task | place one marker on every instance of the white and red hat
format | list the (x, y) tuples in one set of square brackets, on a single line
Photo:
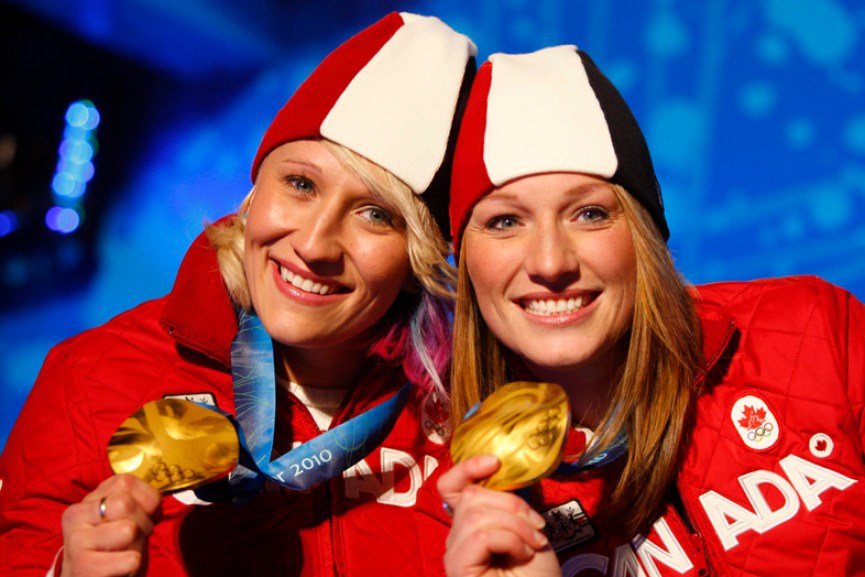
[(548, 111), (390, 93)]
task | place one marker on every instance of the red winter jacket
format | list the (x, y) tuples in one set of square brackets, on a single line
[(358, 525), (773, 482)]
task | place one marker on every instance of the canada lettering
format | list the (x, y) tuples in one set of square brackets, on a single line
[(802, 484), (360, 478)]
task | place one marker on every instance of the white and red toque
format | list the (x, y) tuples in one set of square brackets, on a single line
[(391, 93), (548, 111)]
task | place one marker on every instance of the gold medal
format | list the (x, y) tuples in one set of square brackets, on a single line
[(524, 424), (174, 444)]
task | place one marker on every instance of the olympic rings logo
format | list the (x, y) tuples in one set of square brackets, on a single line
[(764, 431), (438, 428), (546, 430), (162, 472)]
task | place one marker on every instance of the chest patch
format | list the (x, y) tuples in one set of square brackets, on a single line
[(435, 418), (567, 526), (821, 445), (755, 422)]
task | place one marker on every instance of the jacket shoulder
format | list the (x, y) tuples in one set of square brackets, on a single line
[(806, 304), (733, 292), (199, 312)]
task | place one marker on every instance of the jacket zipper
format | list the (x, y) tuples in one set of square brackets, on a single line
[(699, 558)]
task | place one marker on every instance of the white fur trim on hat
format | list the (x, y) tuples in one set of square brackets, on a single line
[(407, 93), (554, 116)]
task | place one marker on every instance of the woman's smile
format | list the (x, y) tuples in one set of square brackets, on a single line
[(307, 283), (552, 264), (560, 307), (324, 257)]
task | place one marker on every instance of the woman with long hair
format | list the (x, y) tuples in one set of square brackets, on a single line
[(714, 430)]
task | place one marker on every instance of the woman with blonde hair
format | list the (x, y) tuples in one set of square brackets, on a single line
[(317, 316), (714, 430)]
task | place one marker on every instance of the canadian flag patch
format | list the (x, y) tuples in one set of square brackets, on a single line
[(821, 445), (755, 422)]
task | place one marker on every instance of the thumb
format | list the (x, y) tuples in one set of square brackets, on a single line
[(468, 472)]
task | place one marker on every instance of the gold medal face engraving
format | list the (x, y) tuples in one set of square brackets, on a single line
[(524, 424), (174, 444)]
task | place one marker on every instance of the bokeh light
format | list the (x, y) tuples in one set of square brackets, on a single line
[(62, 220), (74, 167)]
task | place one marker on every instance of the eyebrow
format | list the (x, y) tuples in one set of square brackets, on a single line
[(306, 164), (589, 188), (580, 189)]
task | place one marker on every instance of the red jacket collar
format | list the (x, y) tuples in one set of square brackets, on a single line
[(718, 329), (199, 313)]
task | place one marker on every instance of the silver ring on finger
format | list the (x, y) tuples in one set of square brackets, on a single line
[(103, 510)]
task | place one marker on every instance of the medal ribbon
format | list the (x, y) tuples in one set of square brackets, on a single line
[(617, 448), (318, 459)]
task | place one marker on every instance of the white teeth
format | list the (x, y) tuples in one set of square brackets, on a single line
[(303, 284), (554, 307)]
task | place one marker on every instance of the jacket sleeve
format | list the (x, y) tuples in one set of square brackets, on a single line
[(840, 321), (854, 344), (51, 460), (837, 318)]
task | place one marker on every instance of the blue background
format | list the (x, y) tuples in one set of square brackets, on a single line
[(754, 111)]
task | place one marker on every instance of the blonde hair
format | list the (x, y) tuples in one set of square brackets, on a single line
[(421, 327), (652, 398)]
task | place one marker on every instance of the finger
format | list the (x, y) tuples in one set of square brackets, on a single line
[(483, 509), (113, 517), (474, 551), (124, 497), (106, 533), (102, 564), (475, 497), (115, 548), (124, 508), (465, 473), (112, 536), (111, 510), (84, 514), (146, 496)]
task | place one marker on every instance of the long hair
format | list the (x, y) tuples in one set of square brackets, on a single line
[(652, 398), (416, 332)]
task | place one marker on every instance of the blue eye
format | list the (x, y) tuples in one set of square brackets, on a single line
[(300, 183), (592, 214), (378, 216), (503, 222)]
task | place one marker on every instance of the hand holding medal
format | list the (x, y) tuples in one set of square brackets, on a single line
[(525, 425), (174, 444)]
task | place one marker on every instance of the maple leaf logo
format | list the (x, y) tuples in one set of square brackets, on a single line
[(752, 418), (821, 446)]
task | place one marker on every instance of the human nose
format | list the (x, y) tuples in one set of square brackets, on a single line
[(552, 254), (318, 238)]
